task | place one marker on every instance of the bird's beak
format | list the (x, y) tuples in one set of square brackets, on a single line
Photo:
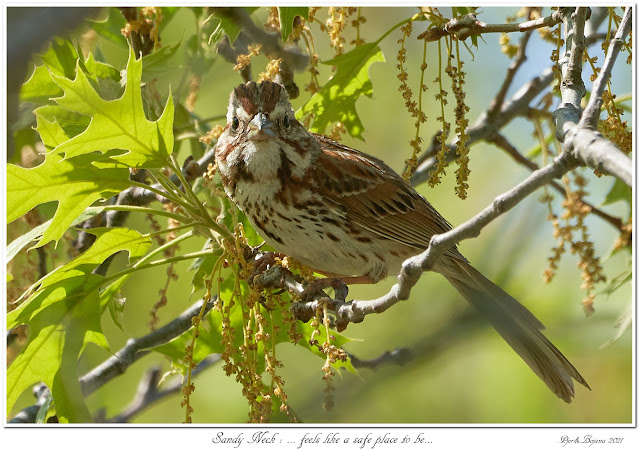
[(260, 128)]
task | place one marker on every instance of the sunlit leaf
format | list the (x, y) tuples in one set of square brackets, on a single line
[(117, 124), (63, 315), (60, 59), (74, 188), (22, 241), (335, 102)]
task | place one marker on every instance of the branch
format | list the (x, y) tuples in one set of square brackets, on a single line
[(498, 101), (271, 42), (500, 141), (469, 25), (577, 133), (591, 113), (488, 123), (572, 86), (136, 348), (116, 365), (148, 393), (428, 346), (28, 415)]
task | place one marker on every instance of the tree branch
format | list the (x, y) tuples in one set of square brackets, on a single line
[(572, 86), (271, 42), (588, 146), (134, 349), (591, 113), (486, 123), (498, 101), (148, 393), (469, 25), (500, 141)]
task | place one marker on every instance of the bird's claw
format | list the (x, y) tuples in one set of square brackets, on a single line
[(314, 287)]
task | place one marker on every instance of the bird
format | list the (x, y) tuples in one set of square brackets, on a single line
[(349, 216)]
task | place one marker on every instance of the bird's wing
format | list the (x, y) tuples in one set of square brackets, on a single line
[(376, 198)]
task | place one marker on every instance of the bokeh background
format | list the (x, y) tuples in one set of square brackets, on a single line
[(461, 371)]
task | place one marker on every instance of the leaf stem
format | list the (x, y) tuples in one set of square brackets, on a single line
[(158, 262), (178, 228), (166, 194), (211, 223), (159, 212)]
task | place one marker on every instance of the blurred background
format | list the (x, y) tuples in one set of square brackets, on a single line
[(461, 370)]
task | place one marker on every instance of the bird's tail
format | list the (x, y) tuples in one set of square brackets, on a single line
[(518, 326)]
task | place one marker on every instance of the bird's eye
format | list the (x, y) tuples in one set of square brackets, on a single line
[(236, 123), (287, 123)]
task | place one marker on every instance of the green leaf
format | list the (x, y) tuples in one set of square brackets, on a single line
[(20, 242), (287, 16), (335, 102), (40, 87), (226, 25), (63, 315), (109, 241), (117, 124), (71, 122), (62, 319), (619, 191), (156, 63), (74, 188), (60, 59), (111, 28), (203, 267), (100, 69)]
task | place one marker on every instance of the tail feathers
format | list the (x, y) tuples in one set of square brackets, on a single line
[(518, 326)]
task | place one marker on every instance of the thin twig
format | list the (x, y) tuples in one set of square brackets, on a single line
[(148, 393), (588, 146), (590, 116), (138, 347), (469, 25), (498, 101), (500, 141)]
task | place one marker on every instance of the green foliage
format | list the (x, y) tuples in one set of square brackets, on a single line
[(335, 102), (111, 28), (119, 123), (35, 233), (74, 188), (619, 191), (63, 314), (287, 15)]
